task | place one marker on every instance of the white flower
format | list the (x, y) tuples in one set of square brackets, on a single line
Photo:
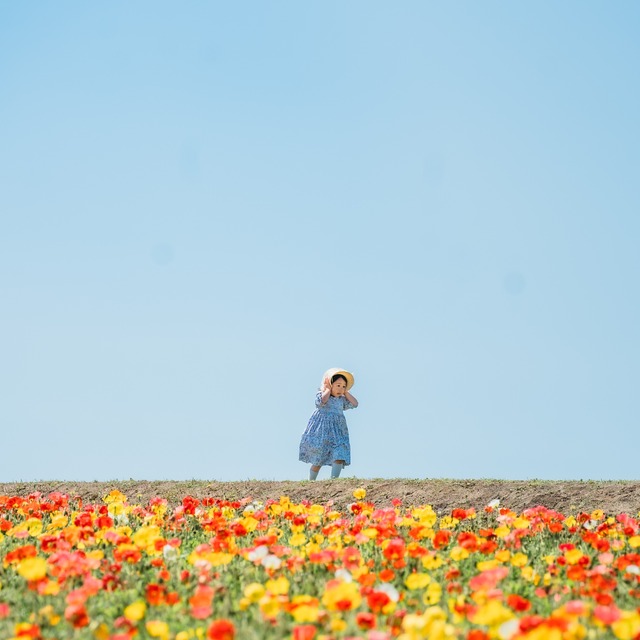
[(390, 590), (121, 519), (494, 503), (508, 629), (170, 553), (634, 569), (271, 562), (252, 508), (258, 554), (344, 575)]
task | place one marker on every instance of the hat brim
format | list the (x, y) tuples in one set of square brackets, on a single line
[(334, 372)]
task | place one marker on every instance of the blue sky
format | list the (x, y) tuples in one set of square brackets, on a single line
[(205, 205)]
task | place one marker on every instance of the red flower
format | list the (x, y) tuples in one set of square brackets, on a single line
[(155, 594), (518, 603), (30, 631), (221, 630), (476, 634), (366, 620), (76, 614), (395, 549), (377, 600)]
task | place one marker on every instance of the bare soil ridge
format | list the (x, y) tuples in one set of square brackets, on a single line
[(568, 497)]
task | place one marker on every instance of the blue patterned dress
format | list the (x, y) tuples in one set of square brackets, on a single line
[(326, 437)]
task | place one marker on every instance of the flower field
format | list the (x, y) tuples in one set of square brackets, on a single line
[(218, 569)]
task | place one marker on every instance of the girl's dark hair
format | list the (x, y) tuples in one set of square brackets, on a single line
[(337, 377)]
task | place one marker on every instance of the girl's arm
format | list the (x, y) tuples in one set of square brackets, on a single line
[(325, 396), (350, 398)]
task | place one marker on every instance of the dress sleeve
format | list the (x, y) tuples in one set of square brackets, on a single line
[(319, 399), (348, 405)]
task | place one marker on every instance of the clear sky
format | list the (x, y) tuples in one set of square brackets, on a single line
[(205, 205)]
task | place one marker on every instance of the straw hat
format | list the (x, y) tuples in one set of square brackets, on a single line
[(333, 372)]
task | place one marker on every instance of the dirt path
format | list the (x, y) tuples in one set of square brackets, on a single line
[(564, 496)]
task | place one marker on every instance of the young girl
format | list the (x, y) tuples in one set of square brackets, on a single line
[(326, 438)]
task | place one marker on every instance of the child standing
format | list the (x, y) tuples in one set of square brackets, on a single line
[(325, 441)]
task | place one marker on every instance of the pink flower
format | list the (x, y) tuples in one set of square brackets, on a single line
[(607, 614)]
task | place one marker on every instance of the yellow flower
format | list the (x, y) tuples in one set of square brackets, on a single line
[(135, 611), (432, 562), (573, 556), (491, 614), (34, 526), (51, 588), (158, 629), (634, 542), (414, 622), (278, 586), (338, 624), (33, 568), (214, 558), (628, 626), (485, 565), (102, 632), (425, 515), (49, 613), (58, 521), (270, 606), (359, 494), (521, 523), (458, 553), (447, 522), (519, 560), (297, 540), (146, 537), (305, 609), (503, 555), (115, 496), (502, 532), (431, 624), (433, 594), (417, 581), (254, 592), (342, 596)]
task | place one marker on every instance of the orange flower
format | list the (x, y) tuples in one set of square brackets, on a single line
[(441, 539), (221, 630), (200, 602), (304, 632), (386, 575)]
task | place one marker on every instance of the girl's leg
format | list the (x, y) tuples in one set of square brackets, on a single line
[(336, 468), (313, 472)]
